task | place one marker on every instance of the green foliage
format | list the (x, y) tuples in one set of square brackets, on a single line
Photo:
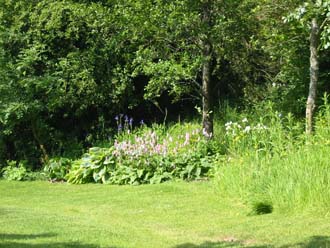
[(68, 67), (147, 169), (148, 155), (284, 38), (259, 208), (307, 10), (267, 132), (94, 166), (13, 172), (57, 168), (278, 166), (60, 64), (285, 60), (322, 126), (174, 56)]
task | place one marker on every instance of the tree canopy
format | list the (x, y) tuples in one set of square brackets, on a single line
[(68, 67)]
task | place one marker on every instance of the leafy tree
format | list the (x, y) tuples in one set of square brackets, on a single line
[(284, 36), (185, 45), (67, 66), (314, 15), (62, 64)]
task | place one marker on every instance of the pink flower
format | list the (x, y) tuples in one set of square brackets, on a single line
[(186, 142)]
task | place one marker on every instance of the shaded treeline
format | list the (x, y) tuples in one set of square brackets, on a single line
[(67, 68)]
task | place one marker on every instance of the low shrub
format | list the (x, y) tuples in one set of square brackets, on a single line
[(148, 155), (17, 171), (12, 172), (93, 166), (57, 168)]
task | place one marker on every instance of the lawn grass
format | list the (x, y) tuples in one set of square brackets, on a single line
[(176, 215)]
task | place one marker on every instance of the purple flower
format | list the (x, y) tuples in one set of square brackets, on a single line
[(131, 121), (142, 122), (116, 118), (126, 118), (120, 127)]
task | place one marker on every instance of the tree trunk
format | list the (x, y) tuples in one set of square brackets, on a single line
[(44, 158), (206, 77), (314, 71)]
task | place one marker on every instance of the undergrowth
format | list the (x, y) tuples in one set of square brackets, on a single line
[(271, 162), (261, 156), (146, 155)]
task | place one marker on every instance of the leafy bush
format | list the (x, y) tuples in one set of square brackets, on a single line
[(13, 172), (57, 168), (146, 156), (35, 176), (18, 172), (94, 166), (99, 165)]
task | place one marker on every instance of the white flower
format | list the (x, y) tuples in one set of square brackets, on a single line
[(247, 129), (206, 134), (228, 123), (245, 120)]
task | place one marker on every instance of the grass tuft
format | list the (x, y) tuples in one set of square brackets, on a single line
[(259, 208)]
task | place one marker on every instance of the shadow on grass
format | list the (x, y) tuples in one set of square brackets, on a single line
[(46, 245), (26, 236), (12, 241), (219, 244), (312, 242)]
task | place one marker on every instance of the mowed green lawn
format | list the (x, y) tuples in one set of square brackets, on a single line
[(176, 215)]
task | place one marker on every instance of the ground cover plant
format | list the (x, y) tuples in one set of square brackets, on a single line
[(145, 155)]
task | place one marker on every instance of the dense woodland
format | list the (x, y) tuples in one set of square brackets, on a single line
[(69, 68)]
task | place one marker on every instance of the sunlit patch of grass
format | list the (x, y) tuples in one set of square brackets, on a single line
[(176, 214)]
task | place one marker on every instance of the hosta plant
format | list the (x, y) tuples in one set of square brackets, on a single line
[(57, 168), (147, 157)]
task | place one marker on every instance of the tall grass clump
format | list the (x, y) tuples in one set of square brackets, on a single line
[(322, 128), (270, 161)]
